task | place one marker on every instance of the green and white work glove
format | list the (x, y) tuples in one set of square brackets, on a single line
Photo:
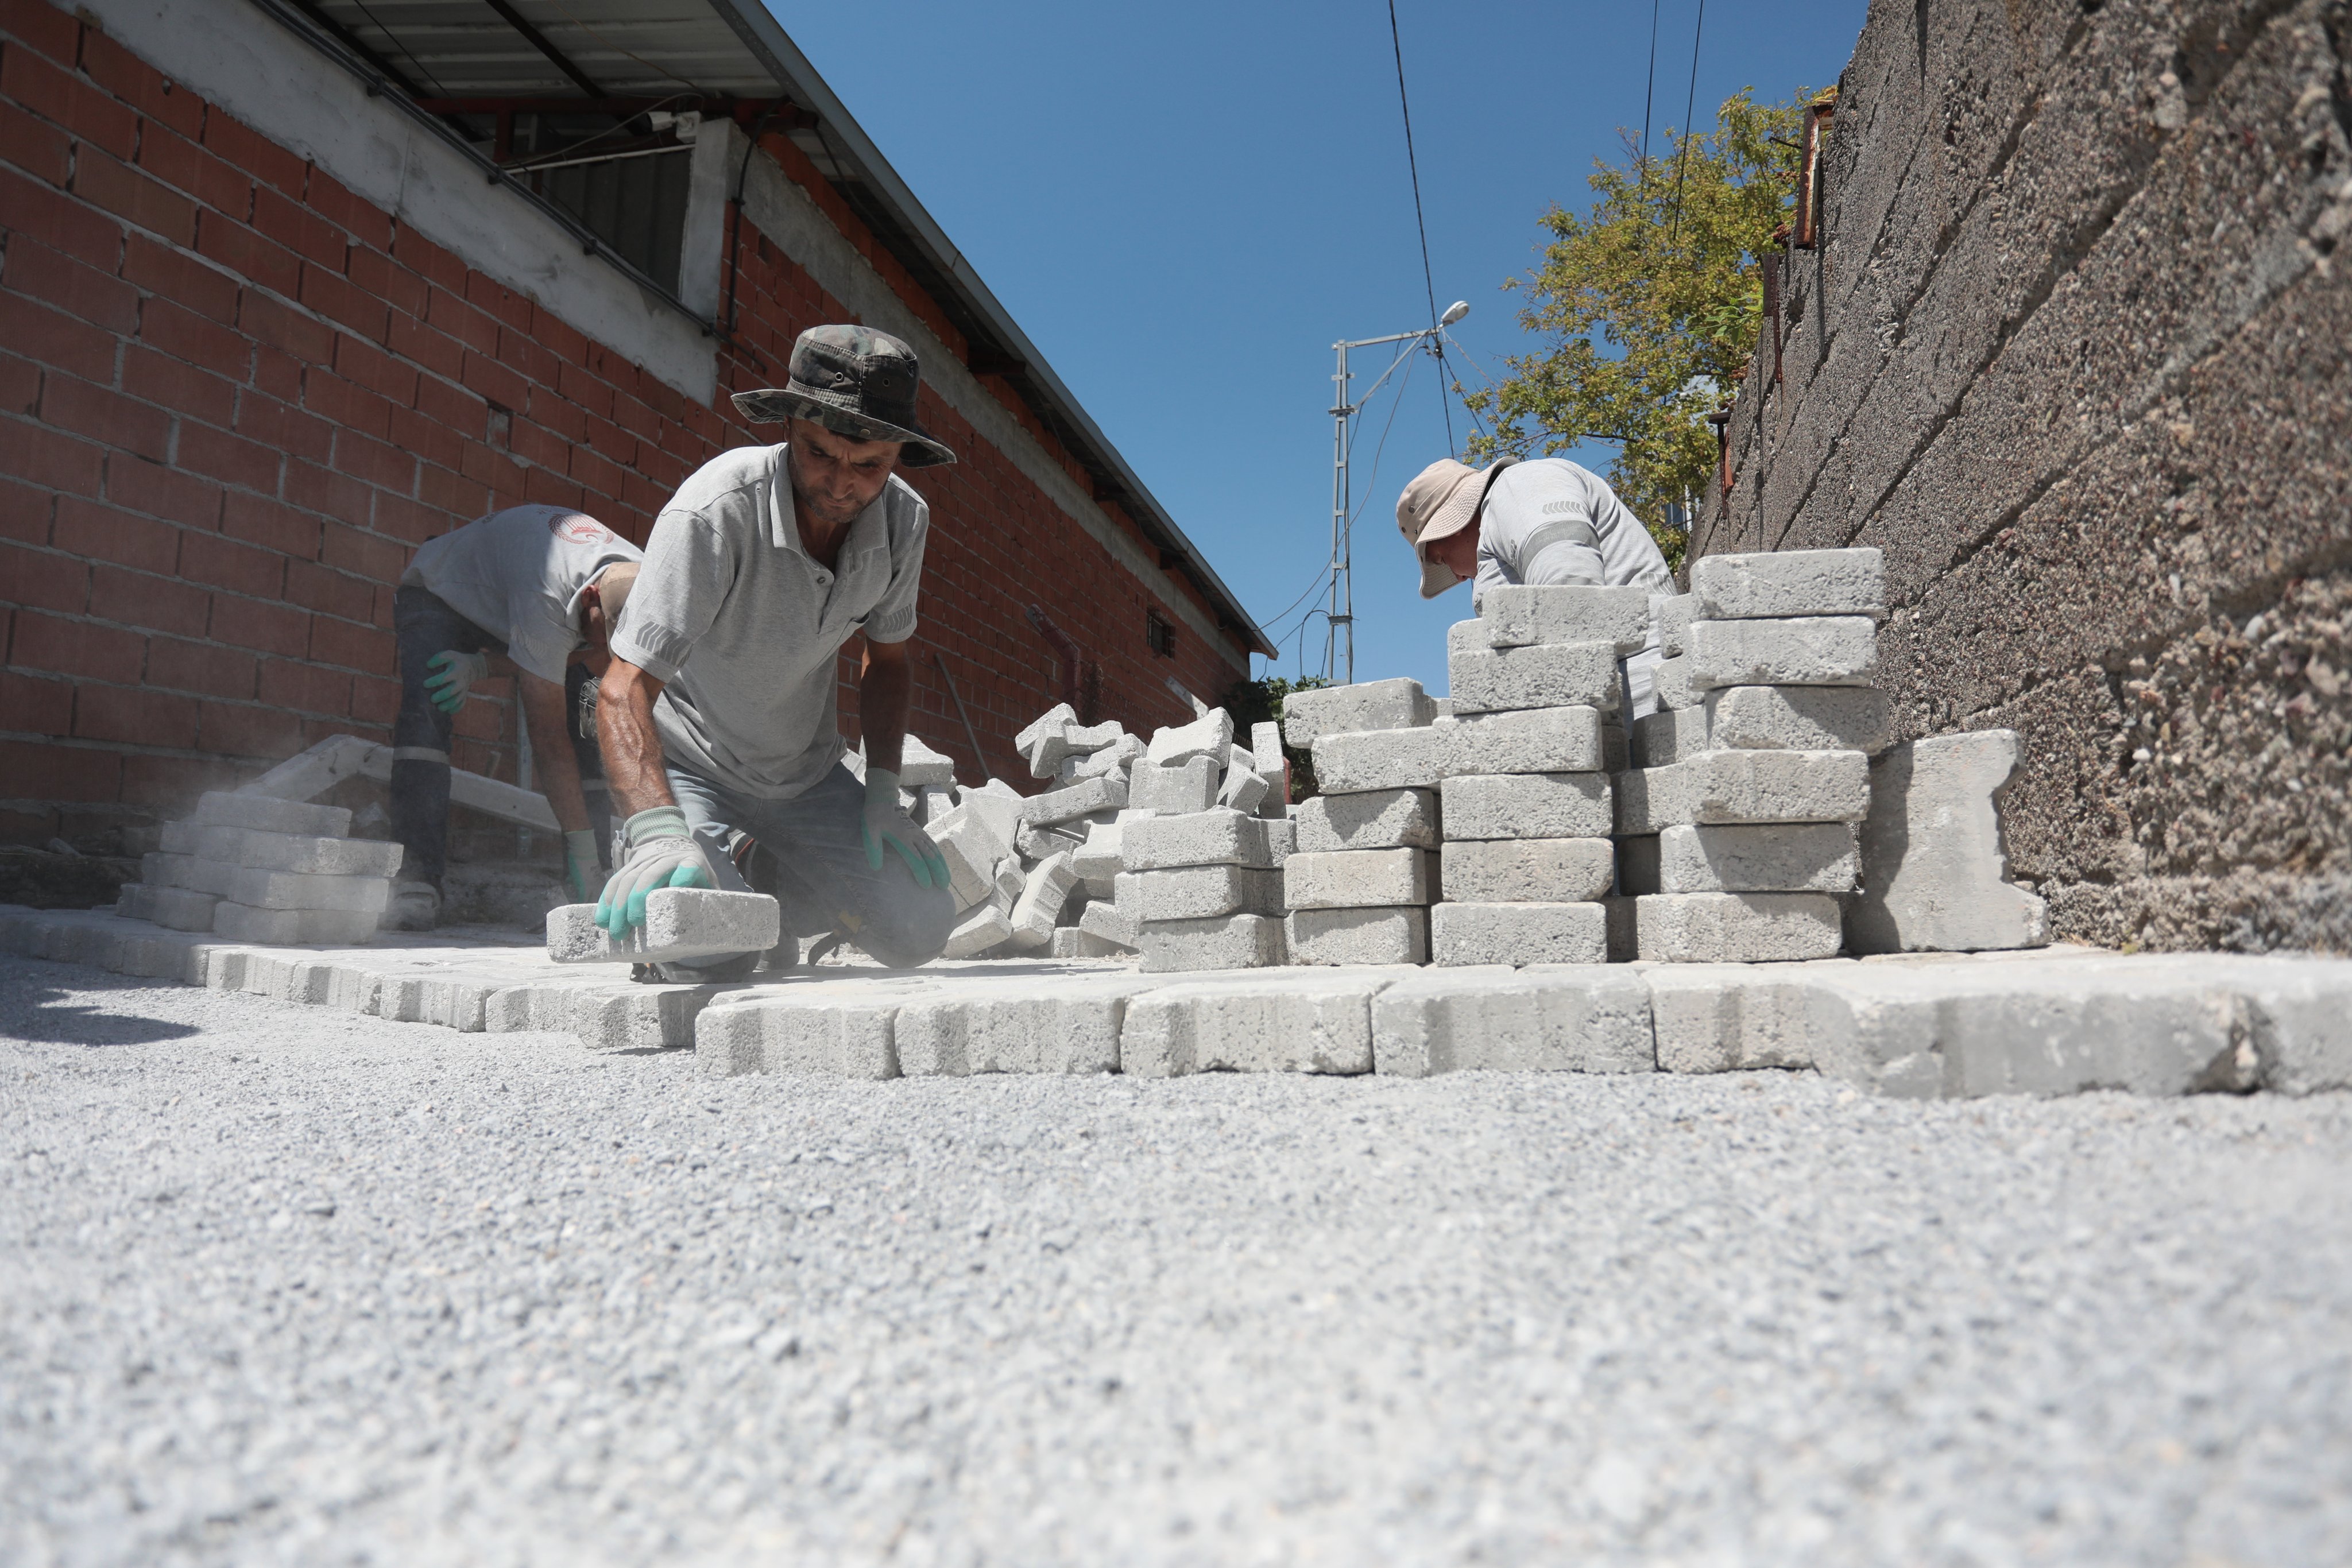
[(886, 822), (660, 851), (458, 672), (581, 869)]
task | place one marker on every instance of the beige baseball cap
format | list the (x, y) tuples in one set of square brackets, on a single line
[(1442, 501)]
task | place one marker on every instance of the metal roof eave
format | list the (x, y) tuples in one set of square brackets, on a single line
[(792, 70)]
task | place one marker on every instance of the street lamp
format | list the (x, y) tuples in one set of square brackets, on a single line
[(1341, 645)]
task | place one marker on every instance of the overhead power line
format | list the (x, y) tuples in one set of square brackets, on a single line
[(1690, 100), (1428, 278), (1649, 92)]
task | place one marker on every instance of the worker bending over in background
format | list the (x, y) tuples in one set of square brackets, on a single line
[(541, 586), (1541, 520), (717, 719)]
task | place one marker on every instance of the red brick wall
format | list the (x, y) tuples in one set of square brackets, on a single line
[(234, 399)]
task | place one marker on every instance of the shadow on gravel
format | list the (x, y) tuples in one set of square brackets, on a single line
[(39, 1013)]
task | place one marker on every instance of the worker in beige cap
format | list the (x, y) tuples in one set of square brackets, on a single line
[(1544, 520)]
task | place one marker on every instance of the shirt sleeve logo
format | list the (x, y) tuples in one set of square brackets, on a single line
[(579, 529)]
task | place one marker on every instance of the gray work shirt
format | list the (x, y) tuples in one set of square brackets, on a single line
[(519, 575), (744, 628), (1547, 520)]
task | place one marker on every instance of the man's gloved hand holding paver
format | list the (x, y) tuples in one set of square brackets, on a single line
[(455, 680), (886, 822), (661, 852)]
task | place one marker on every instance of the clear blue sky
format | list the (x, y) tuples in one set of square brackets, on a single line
[(1184, 206)]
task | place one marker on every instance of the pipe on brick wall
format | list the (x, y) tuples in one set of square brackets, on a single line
[(1818, 117), (1066, 648), (735, 229), (1721, 419)]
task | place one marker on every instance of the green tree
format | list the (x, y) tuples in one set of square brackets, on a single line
[(1260, 702), (1651, 306)]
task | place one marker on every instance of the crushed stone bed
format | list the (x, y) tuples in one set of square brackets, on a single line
[(289, 1284)]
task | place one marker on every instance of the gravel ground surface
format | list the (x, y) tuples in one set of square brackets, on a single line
[(286, 1284)]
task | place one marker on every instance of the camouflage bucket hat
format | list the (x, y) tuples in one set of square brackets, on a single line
[(855, 382)]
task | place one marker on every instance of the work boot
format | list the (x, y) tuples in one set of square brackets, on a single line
[(730, 970), (414, 906), (757, 866)]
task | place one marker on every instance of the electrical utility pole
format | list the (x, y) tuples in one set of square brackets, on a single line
[(1340, 644)]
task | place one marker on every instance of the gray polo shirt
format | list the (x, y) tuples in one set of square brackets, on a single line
[(517, 574), (1549, 521), (744, 628)]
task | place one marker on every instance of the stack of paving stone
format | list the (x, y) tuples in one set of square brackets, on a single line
[(1040, 876), (1738, 818), (1529, 863), (1364, 874), (254, 868), (1199, 885)]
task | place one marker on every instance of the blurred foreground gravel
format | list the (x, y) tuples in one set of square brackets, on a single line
[(282, 1284)]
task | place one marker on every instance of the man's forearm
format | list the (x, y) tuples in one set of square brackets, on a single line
[(551, 747), (625, 736), (884, 689)]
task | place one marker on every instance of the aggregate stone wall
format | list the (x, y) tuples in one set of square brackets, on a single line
[(2072, 352)]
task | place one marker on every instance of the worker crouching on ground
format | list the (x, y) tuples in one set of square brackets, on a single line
[(717, 719), (1544, 520), (537, 586)]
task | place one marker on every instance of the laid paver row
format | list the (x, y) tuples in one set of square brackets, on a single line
[(2059, 1021)]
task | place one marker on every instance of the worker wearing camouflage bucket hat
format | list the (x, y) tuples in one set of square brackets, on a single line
[(717, 719)]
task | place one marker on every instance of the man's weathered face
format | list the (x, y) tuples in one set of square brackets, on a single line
[(835, 478), (1458, 551)]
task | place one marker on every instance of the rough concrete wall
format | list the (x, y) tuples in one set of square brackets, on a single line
[(2074, 354)]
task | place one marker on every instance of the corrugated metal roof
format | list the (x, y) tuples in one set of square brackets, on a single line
[(558, 49), (630, 48)]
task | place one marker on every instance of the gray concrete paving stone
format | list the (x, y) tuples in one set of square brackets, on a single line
[(1812, 650), (1218, 836), (1227, 942), (1737, 927), (1544, 1017), (1776, 584), (1521, 614), (680, 924), (1206, 892), (1373, 819), (1526, 806), (1463, 935), (1399, 703), (1287, 1020), (1550, 675), (1355, 879), (1527, 871), (1357, 936)]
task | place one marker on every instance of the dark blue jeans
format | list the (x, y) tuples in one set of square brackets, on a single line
[(423, 625), (813, 854)]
